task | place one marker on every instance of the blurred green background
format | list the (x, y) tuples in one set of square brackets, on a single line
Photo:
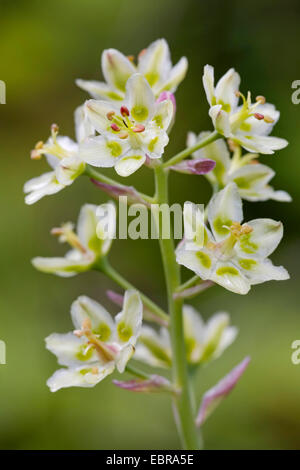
[(44, 46)]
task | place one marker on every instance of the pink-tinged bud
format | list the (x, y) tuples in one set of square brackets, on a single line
[(110, 115), (212, 397), (115, 127), (116, 191), (199, 166), (155, 383), (259, 116), (124, 111), (167, 95), (115, 297), (194, 290), (138, 128), (147, 314)]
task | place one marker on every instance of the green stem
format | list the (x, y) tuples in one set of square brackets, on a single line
[(110, 272), (189, 283), (182, 402), (96, 175), (136, 372), (188, 151)]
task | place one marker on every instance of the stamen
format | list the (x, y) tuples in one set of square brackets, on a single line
[(138, 128), (54, 129), (36, 153), (131, 58), (268, 119), (115, 127), (124, 111), (123, 135), (260, 99), (66, 234), (110, 115), (259, 116), (95, 370)]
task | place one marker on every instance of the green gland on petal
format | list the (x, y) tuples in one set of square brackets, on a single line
[(139, 113), (124, 332), (204, 259), (227, 270)]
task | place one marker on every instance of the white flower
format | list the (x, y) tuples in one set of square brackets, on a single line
[(252, 178), (204, 342), (233, 255), (87, 247), (62, 156), (130, 133), (250, 124), (154, 63), (99, 343)]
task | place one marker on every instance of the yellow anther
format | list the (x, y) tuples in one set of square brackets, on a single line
[(268, 119), (260, 99), (95, 370)]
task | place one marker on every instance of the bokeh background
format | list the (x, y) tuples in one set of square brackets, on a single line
[(44, 46)]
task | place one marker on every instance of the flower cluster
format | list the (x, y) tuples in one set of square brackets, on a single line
[(99, 343), (233, 255), (126, 124)]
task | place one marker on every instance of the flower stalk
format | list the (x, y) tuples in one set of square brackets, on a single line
[(183, 402)]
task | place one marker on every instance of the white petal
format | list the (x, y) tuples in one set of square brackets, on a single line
[(224, 208), (63, 267), (175, 77), (100, 90), (102, 322), (226, 274), (251, 177), (102, 151), (226, 89), (154, 142), (96, 111), (163, 114), (79, 377), (201, 262), (87, 225), (69, 169), (43, 185), (155, 63), (70, 350), (260, 144), (194, 227), (262, 271), (140, 98), (153, 347), (262, 241), (227, 338), (116, 68), (208, 83), (83, 127), (106, 225), (129, 320), (130, 163), (220, 120)]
